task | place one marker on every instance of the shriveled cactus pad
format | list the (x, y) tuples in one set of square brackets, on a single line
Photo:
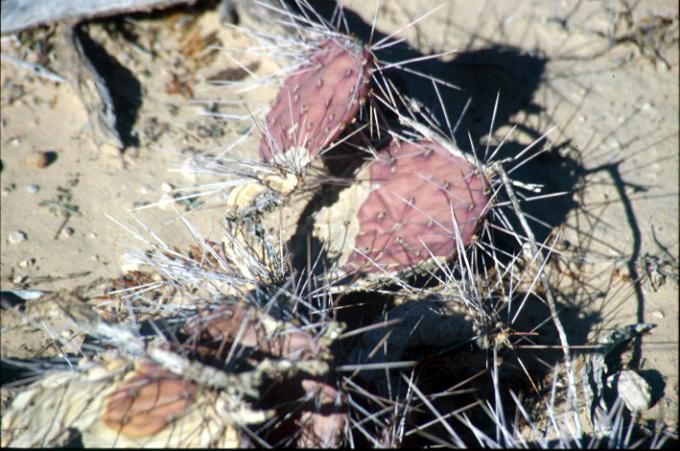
[(164, 399), (413, 204), (318, 101), (114, 405)]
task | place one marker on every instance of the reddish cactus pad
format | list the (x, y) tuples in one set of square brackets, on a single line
[(239, 321), (318, 101), (148, 402), (409, 216)]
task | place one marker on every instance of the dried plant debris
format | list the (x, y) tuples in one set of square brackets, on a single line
[(92, 72), (653, 34), (145, 394), (18, 15), (596, 375), (121, 404)]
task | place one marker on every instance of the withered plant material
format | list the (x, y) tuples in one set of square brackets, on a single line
[(92, 88), (148, 401), (120, 404), (17, 15), (251, 328), (321, 420)]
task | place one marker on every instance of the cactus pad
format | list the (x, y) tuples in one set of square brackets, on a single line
[(409, 207), (115, 406), (147, 402), (318, 101), (253, 329)]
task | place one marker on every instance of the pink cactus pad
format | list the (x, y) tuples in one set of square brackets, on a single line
[(318, 101), (421, 195)]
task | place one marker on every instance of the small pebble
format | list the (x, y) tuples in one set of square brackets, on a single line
[(26, 263), (16, 237), (166, 202), (67, 232), (166, 187), (19, 279), (15, 141), (39, 159), (6, 192), (614, 143), (658, 314), (32, 189)]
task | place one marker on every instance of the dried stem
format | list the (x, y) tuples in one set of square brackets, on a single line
[(546, 286)]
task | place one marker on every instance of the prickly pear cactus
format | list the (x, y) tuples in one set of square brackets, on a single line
[(121, 404), (415, 204), (162, 399), (318, 101)]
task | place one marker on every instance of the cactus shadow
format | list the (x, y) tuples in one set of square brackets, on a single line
[(657, 383), (308, 256), (308, 252)]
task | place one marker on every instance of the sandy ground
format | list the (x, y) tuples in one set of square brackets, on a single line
[(604, 81)]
